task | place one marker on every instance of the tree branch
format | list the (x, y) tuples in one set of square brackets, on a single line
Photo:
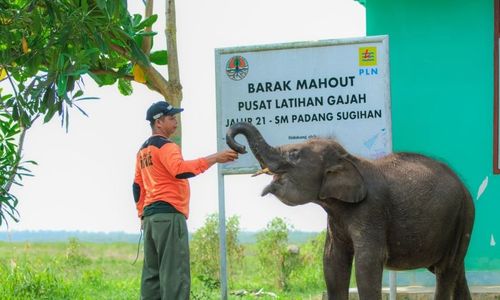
[(11, 83), (155, 79), (147, 41), (126, 77)]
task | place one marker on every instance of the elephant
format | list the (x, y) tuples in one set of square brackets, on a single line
[(400, 212)]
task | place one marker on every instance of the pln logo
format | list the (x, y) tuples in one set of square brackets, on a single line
[(237, 68), (367, 56)]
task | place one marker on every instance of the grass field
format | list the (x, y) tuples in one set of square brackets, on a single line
[(68, 271), (75, 270)]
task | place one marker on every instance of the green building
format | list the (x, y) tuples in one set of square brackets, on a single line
[(444, 82)]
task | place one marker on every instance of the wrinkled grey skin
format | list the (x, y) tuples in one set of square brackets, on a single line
[(403, 211)]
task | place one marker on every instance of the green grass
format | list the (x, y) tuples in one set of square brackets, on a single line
[(307, 281), (76, 270), (68, 271)]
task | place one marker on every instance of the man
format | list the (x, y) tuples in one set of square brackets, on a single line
[(161, 193)]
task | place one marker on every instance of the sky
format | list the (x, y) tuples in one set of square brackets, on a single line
[(83, 178)]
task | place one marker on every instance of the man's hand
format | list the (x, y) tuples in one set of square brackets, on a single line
[(222, 157), (226, 156)]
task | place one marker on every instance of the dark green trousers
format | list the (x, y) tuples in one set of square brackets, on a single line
[(165, 274)]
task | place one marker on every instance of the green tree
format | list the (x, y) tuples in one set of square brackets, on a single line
[(47, 46), (205, 259)]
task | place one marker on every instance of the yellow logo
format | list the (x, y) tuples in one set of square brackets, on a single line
[(367, 56)]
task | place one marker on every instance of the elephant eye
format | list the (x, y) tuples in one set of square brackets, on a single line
[(293, 155)]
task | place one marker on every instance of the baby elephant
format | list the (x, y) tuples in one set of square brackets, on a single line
[(403, 211)]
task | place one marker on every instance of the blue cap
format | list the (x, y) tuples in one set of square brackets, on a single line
[(161, 108)]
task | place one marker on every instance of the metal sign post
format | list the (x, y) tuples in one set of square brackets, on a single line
[(222, 235), (392, 285)]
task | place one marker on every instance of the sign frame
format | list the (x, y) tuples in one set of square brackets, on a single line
[(221, 144)]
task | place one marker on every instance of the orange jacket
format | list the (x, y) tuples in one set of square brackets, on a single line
[(161, 175)]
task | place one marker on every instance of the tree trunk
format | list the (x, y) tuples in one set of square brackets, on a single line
[(174, 83)]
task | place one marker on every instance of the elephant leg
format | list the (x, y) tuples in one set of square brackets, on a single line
[(461, 287), (337, 266), (452, 284), (450, 280), (445, 283), (369, 268)]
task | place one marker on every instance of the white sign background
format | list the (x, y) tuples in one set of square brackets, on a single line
[(361, 122)]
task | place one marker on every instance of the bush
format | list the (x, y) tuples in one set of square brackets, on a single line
[(74, 253), (276, 261), (205, 258)]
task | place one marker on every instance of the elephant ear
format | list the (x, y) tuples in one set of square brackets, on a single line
[(343, 182)]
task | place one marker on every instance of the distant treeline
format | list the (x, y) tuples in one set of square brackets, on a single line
[(64, 236), (244, 237)]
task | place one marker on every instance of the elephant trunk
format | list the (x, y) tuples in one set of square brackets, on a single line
[(268, 157)]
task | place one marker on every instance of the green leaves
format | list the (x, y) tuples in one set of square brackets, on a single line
[(62, 84), (159, 57), (46, 48), (139, 25), (103, 79), (125, 87), (9, 157), (138, 55), (146, 23)]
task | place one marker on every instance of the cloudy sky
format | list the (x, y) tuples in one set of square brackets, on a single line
[(83, 178)]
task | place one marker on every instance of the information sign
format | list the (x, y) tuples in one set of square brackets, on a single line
[(295, 91)]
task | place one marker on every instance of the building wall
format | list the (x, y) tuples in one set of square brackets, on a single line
[(441, 56)]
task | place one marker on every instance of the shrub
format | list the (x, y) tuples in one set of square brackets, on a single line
[(276, 261), (205, 258), (74, 253)]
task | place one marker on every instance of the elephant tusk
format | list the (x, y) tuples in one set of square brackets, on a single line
[(263, 171)]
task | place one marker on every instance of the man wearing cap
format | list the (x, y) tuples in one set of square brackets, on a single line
[(161, 193)]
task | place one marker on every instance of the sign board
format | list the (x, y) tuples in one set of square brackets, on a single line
[(295, 91)]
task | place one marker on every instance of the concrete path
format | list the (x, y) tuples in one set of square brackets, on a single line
[(427, 293)]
